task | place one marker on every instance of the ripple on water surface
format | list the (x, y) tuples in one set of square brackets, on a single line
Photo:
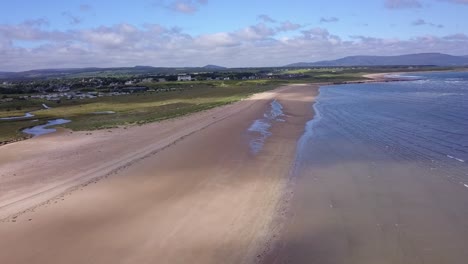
[(421, 122)]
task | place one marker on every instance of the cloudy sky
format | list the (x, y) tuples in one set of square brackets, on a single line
[(111, 33)]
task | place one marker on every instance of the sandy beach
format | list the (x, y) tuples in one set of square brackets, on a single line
[(192, 190), (178, 191)]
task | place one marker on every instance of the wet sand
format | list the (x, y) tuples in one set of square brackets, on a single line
[(188, 190), (356, 211), (361, 203)]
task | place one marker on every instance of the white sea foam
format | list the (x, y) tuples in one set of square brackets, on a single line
[(457, 159)]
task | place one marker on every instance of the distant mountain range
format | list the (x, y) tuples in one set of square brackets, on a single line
[(104, 72), (421, 59), (433, 59), (214, 67)]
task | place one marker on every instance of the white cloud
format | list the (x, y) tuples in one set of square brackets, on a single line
[(266, 19), (182, 6), (217, 40), (288, 26), (36, 22), (328, 19), (422, 22), (255, 32), (153, 44)]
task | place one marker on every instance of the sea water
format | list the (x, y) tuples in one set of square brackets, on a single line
[(381, 175), (423, 121)]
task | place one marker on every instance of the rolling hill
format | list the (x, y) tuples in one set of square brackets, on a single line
[(435, 59), (214, 67)]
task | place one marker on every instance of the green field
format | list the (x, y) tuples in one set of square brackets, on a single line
[(133, 109)]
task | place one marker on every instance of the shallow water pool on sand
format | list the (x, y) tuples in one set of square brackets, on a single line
[(44, 129), (260, 129)]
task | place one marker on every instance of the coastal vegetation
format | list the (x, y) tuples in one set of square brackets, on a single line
[(126, 109)]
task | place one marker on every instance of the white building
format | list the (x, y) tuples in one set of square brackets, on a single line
[(184, 78)]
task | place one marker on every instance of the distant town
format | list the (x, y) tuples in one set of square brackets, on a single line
[(60, 88)]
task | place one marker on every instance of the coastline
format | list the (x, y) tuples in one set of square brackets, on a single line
[(203, 174)]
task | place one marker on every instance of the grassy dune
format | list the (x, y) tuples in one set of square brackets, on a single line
[(138, 108)]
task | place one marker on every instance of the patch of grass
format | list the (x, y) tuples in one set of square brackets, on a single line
[(19, 107), (298, 71), (11, 130)]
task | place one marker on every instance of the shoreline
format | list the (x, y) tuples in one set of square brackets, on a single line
[(283, 209), (228, 194)]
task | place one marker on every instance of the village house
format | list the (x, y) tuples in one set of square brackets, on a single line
[(182, 78)]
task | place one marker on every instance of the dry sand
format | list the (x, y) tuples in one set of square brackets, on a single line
[(181, 191)]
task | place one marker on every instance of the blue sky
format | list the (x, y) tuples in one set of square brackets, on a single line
[(78, 33)]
